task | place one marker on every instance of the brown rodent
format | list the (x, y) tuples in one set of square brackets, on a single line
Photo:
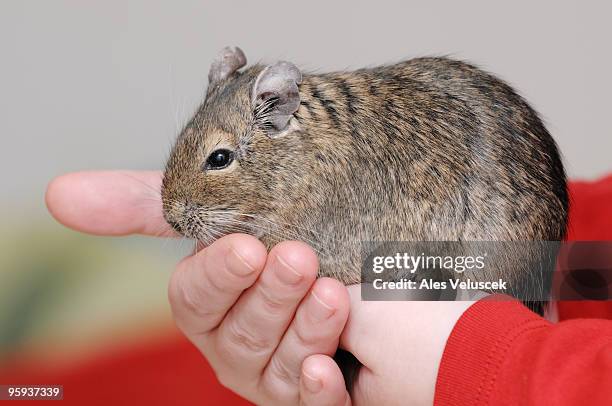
[(429, 149)]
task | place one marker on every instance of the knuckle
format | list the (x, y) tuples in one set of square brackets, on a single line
[(212, 282), (240, 337), (272, 305), (308, 337), (282, 372)]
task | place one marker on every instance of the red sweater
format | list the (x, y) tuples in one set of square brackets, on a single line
[(500, 353)]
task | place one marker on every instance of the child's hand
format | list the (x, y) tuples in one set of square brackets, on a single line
[(261, 319)]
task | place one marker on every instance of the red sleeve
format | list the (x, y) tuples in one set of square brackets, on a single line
[(501, 353), (590, 219)]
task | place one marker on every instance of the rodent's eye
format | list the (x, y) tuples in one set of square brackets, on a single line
[(219, 159)]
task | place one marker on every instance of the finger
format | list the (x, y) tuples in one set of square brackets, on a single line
[(109, 203), (321, 383), (206, 285), (250, 333), (315, 329)]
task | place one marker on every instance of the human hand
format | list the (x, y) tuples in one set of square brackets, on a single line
[(261, 319), (261, 336)]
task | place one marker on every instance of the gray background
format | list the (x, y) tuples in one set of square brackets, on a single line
[(106, 84)]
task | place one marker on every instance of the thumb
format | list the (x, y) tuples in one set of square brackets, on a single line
[(321, 382)]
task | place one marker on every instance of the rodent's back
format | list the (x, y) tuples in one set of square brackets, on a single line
[(428, 149), (439, 131)]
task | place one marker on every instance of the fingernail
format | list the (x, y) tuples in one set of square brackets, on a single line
[(286, 273), (319, 310), (237, 264), (311, 384)]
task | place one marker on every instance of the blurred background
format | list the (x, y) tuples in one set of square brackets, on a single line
[(108, 84)]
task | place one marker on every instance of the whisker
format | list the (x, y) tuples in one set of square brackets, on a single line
[(280, 235), (156, 191)]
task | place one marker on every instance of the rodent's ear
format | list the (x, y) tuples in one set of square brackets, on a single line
[(228, 61), (276, 97)]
